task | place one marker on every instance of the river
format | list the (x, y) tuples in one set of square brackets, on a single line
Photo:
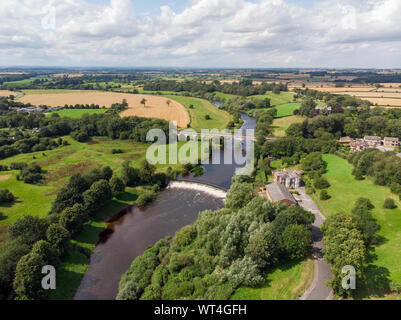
[(130, 235)]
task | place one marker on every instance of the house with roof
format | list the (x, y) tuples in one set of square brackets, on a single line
[(278, 193), (373, 141), (391, 142), (288, 178), (359, 145), (345, 140)]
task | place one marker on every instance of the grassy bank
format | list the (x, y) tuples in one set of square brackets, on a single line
[(74, 266), (218, 118), (345, 191), (286, 282)]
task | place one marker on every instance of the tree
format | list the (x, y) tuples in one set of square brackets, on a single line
[(321, 183), (143, 101), (308, 107), (117, 185), (73, 219), (168, 102), (297, 240), (97, 196), (59, 238), (245, 272), (324, 195), (239, 195), (28, 230), (49, 254), (6, 196), (389, 204), (28, 276), (11, 252)]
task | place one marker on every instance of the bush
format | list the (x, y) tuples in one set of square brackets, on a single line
[(117, 151), (321, 183), (389, 204), (117, 185), (324, 195), (207, 117), (6, 196), (146, 198)]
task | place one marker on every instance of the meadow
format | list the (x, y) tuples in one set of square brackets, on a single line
[(345, 191), (60, 164), (218, 118), (280, 125), (287, 109), (277, 99), (287, 282), (76, 113)]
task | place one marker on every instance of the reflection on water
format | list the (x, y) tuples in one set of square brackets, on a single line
[(130, 235)]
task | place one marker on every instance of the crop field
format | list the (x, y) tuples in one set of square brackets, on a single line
[(76, 113), (218, 118), (155, 107), (50, 91), (396, 95), (277, 99), (281, 125), (345, 191), (6, 93)]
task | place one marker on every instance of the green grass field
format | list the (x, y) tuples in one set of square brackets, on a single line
[(286, 282), (26, 81), (287, 109), (77, 113), (345, 190), (277, 99), (60, 164), (281, 125), (226, 96), (219, 118)]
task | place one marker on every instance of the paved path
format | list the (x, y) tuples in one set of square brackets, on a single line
[(318, 289)]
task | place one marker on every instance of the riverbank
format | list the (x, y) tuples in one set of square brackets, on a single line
[(72, 270)]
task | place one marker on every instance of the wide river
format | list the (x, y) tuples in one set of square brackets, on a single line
[(129, 235)]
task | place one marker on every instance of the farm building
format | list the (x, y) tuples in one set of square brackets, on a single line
[(288, 178), (277, 192), (359, 145)]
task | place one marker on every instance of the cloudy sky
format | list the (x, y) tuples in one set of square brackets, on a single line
[(201, 33)]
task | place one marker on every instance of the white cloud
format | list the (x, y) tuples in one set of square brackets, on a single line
[(264, 33)]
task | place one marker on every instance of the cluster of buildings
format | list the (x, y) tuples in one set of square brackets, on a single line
[(279, 190), (32, 109), (386, 144)]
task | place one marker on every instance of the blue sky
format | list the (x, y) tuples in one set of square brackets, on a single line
[(202, 33)]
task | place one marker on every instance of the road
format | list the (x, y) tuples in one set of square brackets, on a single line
[(318, 289)]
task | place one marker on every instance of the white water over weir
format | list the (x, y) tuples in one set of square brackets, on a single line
[(212, 191)]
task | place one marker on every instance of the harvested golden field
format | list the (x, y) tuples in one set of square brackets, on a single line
[(6, 93), (156, 107), (345, 90), (385, 101), (374, 94), (391, 85)]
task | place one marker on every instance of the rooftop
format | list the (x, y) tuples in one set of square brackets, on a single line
[(279, 193)]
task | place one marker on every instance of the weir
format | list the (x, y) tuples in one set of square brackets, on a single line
[(216, 192)]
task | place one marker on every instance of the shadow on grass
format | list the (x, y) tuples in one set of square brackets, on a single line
[(376, 282), (10, 204)]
